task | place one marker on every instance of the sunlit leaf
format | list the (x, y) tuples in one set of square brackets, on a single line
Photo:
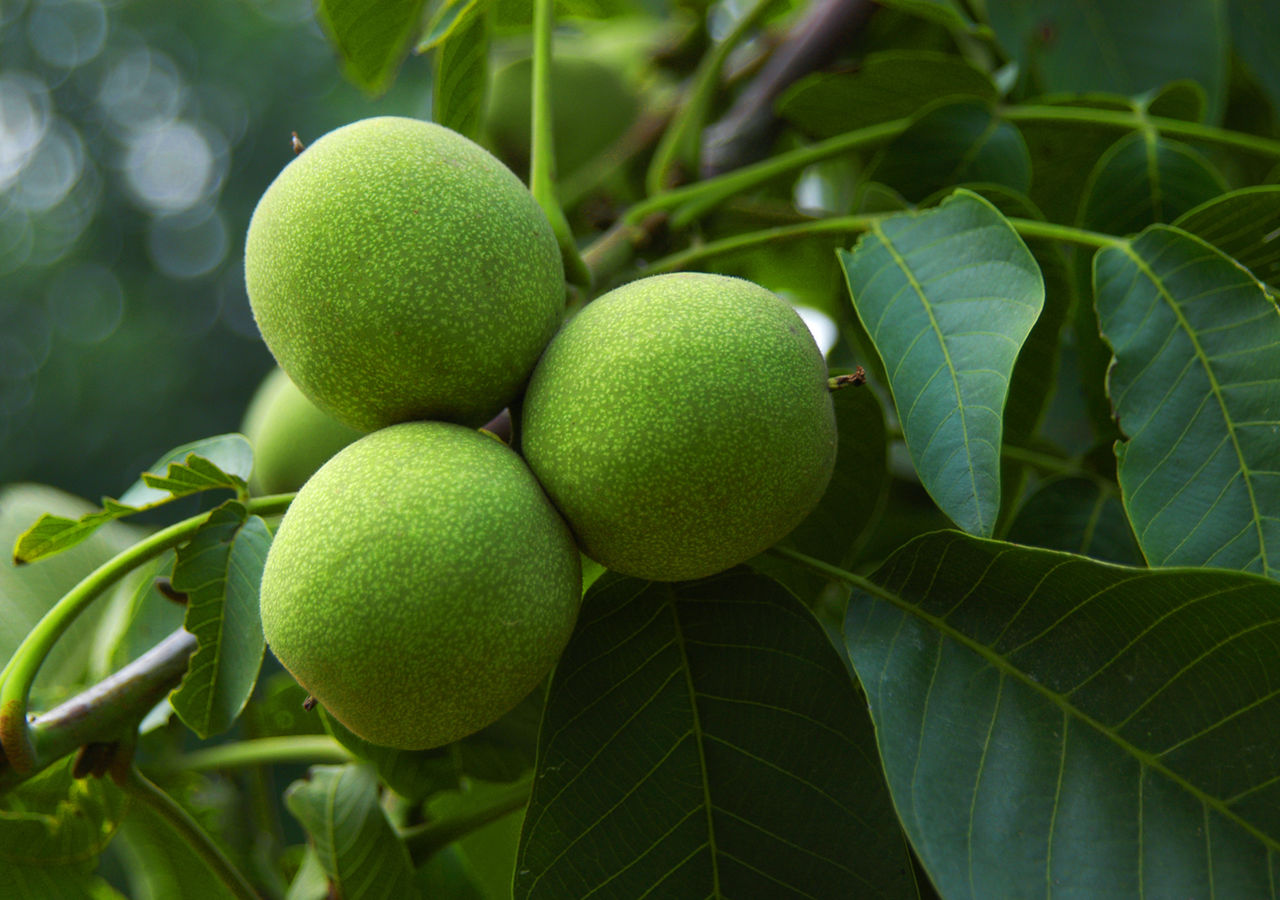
[(219, 571), (28, 592), (356, 845), (372, 37), (948, 296), (462, 73), (1055, 726), (704, 739), (1196, 387), (184, 471)]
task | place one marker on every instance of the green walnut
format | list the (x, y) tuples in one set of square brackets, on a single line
[(682, 424), (593, 108), (399, 271), (291, 436), (420, 585)]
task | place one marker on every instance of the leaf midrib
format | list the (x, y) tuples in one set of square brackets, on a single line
[(1202, 357), (1001, 664), (901, 263)]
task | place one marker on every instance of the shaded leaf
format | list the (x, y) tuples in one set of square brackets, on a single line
[(889, 85), (462, 73), (954, 143), (1077, 515), (413, 774), (1196, 388), (1243, 224), (61, 882), (950, 14), (948, 296), (356, 845), (220, 570), (704, 739), (446, 19), (160, 864), (1144, 178), (1051, 723), (137, 617), (859, 485), (1125, 48), (1183, 100), (182, 472), (372, 37), (56, 820), (1255, 33)]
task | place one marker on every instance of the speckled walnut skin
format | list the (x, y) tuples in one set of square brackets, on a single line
[(682, 424), (421, 584), (399, 271)]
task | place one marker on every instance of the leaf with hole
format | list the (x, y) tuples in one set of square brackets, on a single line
[(1196, 388)]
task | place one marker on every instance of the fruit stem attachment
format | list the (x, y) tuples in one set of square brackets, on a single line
[(179, 820), (542, 153), (107, 711), (856, 378), (424, 840), (19, 673)]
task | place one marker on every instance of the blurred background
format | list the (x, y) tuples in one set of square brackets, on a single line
[(135, 138)]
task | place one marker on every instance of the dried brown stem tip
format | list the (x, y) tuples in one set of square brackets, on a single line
[(309, 704), (296, 144), (169, 592), (856, 378)]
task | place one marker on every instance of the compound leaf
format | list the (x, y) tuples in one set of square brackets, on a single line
[(1055, 726), (372, 37), (703, 739), (221, 462), (220, 570), (1244, 225), (948, 296), (359, 850), (1196, 388)]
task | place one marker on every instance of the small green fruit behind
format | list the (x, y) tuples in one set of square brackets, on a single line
[(682, 424), (420, 585), (291, 437), (593, 108), (399, 271)]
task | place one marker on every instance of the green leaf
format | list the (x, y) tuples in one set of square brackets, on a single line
[(221, 462), (948, 297), (1077, 515), (1055, 726), (1196, 388), (372, 37), (413, 774), (888, 85), (1255, 32), (219, 570), (137, 617), (1125, 48), (859, 485), (159, 864), (62, 882), (1144, 178), (356, 845), (950, 14), (57, 820), (28, 592), (445, 21), (1244, 225), (462, 73), (954, 143), (704, 739)]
